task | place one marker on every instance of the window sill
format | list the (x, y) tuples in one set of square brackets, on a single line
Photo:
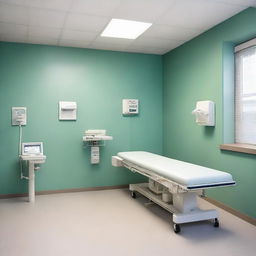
[(237, 147)]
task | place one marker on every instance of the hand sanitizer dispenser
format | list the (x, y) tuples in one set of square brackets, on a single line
[(204, 113)]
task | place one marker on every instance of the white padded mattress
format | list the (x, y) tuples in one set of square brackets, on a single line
[(189, 175)]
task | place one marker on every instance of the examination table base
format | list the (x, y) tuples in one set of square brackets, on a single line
[(183, 206)]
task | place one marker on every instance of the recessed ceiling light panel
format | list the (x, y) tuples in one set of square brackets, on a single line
[(125, 29)]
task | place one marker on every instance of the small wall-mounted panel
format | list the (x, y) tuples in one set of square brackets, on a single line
[(130, 106), (19, 115), (205, 113), (67, 110), (95, 155)]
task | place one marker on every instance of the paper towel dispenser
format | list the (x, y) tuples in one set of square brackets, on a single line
[(205, 113), (67, 110)]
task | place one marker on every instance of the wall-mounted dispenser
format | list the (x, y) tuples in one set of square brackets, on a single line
[(95, 139), (67, 110), (205, 113), (19, 115), (130, 106)]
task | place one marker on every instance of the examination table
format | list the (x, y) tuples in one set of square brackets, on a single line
[(174, 185)]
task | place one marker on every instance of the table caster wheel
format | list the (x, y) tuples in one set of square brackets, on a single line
[(133, 194), (216, 223), (176, 228)]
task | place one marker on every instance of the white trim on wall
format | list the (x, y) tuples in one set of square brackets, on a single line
[(245, 45)]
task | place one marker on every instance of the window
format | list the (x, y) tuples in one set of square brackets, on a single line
[(245, 93)]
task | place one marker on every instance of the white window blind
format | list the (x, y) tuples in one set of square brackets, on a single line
[(245, 96)]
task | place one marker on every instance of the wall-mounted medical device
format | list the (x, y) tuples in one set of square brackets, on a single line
[(205, 113), (32, 152), (130, 106), (67, 110), (19, 115), (95, 139)]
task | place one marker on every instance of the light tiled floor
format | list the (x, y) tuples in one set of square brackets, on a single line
[(112, 223)]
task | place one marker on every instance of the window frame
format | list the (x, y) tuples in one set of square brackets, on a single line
[(229, 49)]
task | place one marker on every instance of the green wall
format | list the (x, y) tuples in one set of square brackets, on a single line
[(38, 77), (198, 71)]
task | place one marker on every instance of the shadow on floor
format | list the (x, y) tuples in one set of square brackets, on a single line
[(195, 231)]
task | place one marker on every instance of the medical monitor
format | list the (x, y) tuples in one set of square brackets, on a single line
[(32, 148)]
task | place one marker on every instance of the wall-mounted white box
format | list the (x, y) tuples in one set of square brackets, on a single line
[(205, 113), (19, 115), (67, 110), (130, 106)]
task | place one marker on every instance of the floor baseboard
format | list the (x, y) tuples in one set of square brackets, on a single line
[(238, 214), (48, 192)]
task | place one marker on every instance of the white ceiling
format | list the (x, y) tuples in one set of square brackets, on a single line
[(79, 23)]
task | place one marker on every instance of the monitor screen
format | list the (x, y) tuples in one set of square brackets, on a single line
[(32, 149)]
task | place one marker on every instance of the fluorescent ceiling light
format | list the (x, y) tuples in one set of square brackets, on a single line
[(125, 29)]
